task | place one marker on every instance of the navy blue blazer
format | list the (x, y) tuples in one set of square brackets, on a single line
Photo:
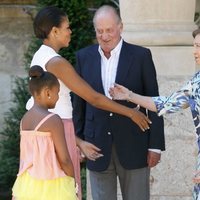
[(135, 71)]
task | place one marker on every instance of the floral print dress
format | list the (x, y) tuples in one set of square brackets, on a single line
[(187, 96)]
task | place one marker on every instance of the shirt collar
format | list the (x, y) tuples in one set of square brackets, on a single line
[(114, 51)]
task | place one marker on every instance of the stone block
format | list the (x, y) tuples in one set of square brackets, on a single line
[(158, 22), (173, 60), (15, 35), (19, 2), (5, 91)]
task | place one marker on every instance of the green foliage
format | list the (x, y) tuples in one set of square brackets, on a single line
[(98, 3), (80, 24), (9, 145), (197, 18), (83, 181)]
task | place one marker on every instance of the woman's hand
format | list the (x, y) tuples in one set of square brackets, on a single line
[(90, 150), (119, 92), (140, 119)]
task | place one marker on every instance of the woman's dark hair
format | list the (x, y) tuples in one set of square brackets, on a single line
[(46, 19), (40, 79), (196, 32)]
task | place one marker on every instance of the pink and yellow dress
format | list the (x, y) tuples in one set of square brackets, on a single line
[(63, 108), (40, 176)]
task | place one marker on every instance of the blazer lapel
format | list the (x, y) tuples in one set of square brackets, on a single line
[(97, 79), (123, 65)]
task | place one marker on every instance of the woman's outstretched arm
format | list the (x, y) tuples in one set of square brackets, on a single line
[(119, 92), (177, 101), (63, 70)]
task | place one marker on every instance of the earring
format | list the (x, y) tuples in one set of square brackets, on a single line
[(49, 97)]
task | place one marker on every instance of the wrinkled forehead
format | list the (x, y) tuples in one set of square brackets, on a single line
[(106, 18), (105, 25)]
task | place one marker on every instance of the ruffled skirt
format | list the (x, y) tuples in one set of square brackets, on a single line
[(29, 188)]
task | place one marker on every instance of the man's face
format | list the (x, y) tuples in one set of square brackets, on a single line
[(197, 49), (108, 31)]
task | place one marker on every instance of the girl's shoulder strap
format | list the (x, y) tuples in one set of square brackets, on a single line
[(43, 120)]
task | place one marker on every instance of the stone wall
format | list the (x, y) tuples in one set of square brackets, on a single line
[(15, 33)]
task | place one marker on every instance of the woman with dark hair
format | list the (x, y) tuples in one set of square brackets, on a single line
[(52, 26), (187, 96), (46, 170)]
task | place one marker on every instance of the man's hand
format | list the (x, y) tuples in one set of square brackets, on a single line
[(153, 158), (140, 119)]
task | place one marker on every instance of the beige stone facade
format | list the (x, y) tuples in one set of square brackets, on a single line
[(163, 26), (15, 33)]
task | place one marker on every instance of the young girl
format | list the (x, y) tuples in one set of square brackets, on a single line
[(46, 171)]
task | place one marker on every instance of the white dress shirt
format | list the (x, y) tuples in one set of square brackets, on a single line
[(109, 68)]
